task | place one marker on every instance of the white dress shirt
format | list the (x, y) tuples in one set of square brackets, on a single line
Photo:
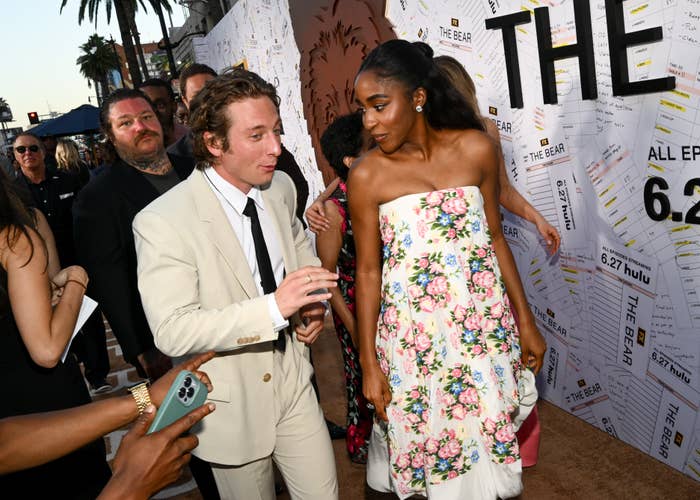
[(233, 201)]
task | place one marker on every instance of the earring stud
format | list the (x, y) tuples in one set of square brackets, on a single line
[(419, 108)]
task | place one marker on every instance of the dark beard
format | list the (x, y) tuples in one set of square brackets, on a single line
[(157, 164)]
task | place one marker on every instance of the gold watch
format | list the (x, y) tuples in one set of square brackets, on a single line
[(141, 395)]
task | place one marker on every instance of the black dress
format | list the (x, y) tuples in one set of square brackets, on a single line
[(29, 388)]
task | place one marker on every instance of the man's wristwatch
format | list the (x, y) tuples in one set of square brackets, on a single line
[(141, 395)]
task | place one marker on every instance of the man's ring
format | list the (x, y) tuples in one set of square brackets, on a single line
[(370, 406), (308, 278)]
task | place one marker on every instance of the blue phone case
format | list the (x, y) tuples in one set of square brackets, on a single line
[(185, 394)]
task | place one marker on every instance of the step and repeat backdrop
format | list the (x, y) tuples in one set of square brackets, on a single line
[(598, 107)]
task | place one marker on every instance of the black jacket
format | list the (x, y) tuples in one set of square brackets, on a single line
[(104, 242)]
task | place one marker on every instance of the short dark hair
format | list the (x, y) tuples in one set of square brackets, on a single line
[(208, 108), (27, 133), (342, 138), (411, 63), (192, 70), (157, 82), (115, 97)]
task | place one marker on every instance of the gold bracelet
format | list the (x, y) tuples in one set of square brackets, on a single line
[(141, 396)]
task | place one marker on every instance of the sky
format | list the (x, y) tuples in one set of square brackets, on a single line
[(40, 47)]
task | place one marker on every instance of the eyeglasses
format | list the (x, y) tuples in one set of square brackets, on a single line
[(21, 149)]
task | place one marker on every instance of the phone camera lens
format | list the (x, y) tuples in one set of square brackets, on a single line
[(188, 381), (182, 392), (190, 392)]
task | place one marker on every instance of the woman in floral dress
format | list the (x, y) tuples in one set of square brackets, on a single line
[(342, 143), (443, 363)]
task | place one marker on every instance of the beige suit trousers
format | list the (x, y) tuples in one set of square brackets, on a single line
[(303, 452)]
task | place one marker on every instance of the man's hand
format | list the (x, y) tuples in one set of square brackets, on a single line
[(146, 463), (312, 316), (297, 289), (160, 387)]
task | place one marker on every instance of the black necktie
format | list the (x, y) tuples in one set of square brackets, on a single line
[(267, 276)]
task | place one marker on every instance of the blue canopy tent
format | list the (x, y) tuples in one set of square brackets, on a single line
[(84, 119)]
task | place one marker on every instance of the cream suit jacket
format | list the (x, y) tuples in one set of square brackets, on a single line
[(199, 294)]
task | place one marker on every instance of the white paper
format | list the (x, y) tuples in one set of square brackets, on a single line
[(86, 309)]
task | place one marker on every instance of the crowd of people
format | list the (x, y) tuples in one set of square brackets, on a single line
[(193, 240)]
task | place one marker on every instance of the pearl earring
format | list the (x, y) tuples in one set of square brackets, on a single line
[(419, 108)]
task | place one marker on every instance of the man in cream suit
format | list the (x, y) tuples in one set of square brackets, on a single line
[(224, 264)]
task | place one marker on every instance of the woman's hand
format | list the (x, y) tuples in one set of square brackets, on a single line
[(68, 274), (160, 387), (533, 347), (316, 216), (376, 389), (550, 234)]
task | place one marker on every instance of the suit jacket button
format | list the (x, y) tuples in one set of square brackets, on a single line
[(267, 377)]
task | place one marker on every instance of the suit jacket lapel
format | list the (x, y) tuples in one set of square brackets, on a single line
[(212, 214)]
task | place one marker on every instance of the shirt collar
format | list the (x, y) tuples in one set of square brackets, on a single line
[(232, 194)]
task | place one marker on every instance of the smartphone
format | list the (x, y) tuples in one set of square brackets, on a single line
[(185, 394)]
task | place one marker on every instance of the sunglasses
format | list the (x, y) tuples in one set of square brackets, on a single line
[(21, 149)]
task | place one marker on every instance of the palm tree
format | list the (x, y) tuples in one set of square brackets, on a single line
[(5, 111), (92, 7), (97, 59)]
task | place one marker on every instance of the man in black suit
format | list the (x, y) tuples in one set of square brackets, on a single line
[(102, 221)]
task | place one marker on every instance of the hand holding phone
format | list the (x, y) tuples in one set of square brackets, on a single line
[(186, 393)]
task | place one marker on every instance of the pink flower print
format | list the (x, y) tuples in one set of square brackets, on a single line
[(420, 428), (415, 291), (403, 461), (423, 342), (392, 261), (427, 304), (505, 321), (460, 223), (481, 252), (459, 313), (431, 445), (413, 418), (444, 452), (415, 394), (387, 233), (408, 366), (456, 372), (423, 262), (406, 476), (435, 198), (436, 268), (431, 214), (453, 448), (430, 460), (484, 279), (458, 411), (489, 426), (422, 228), (437, 287), (489, 325), (497, 310), (384, 366), (473, 322), (477, 349), (454, 206), (459, 192), (509, 459), (469, 396), (417, 461), (505, 434), (451, 234), (390, 315)]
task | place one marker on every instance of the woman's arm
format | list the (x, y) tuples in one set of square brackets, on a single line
[(45, 331), (315, 214), (514, 202), (64, 431), (531, 340), (43, 228), (364, 210), (328, 246)]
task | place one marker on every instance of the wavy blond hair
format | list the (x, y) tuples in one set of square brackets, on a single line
[(67, 156)]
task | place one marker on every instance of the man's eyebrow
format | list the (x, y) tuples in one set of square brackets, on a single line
[(259, 127)]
